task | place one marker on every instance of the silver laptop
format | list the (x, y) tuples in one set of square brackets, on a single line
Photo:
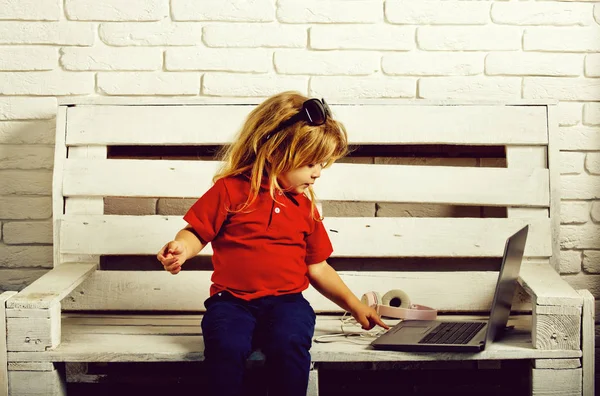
[(463, 336)]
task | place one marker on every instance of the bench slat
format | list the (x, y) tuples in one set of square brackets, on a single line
[(465, 291), (97, 346), (387, 183), (366, 124), (350, 236)]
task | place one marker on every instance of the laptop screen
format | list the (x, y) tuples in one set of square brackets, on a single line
[(507, 283)]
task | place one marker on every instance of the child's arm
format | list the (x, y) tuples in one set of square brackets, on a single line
[(324, 278), (185, 246)]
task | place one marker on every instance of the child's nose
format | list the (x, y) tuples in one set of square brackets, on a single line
[(316, 172)]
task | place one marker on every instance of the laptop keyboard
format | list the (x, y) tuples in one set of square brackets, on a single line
[(452, 333)]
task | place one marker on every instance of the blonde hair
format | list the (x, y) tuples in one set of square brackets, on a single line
[(259, 150)]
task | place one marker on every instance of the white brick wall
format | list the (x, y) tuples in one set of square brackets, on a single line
[(404, 49)]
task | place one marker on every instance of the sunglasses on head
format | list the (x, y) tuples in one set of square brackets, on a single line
[(314, 112)]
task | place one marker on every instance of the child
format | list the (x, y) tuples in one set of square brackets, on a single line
[(269, 243)]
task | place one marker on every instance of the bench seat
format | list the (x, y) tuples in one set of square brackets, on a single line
[(177, 338)]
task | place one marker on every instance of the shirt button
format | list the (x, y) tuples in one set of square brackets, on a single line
[(277, 210)]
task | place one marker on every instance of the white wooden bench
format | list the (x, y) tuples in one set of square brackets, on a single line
[(82, 312)]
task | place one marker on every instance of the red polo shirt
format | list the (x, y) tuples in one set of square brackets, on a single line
[(264, 250)]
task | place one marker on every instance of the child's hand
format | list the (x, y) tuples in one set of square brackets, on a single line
[(172, 256), (367, 317)]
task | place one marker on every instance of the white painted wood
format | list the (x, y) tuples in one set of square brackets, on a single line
[(203, 100), (554, 166), (31, 366), (186, 291), (369, 124), (60, 156), (37, 383), (527, 157), (52, 287), (549, 382), (432, 184), (3, 346), (99, 347), (556, 363), (353, 237), (35, 334), (588, 343), (313, 382), (546, 286)]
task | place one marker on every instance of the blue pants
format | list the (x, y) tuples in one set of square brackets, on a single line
[(281, 326)]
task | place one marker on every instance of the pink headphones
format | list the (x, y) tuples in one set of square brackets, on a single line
[(396, 304)]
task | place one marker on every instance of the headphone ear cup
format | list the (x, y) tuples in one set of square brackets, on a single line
[(372, 299), (396, 298)]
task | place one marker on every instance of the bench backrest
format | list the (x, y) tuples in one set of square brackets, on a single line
[(424, 204)]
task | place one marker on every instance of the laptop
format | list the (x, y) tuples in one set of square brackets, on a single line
[(463, 336)]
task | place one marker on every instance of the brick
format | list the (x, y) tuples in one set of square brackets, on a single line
[(149, 83), (53, 33), (247, 85), (591, 261), (571, 163), (107, 58), (223, 10), (329, 11), (562, 39), (363, 87), (561, 88), (591, 114), (580, 186), (26, 157), (27, 232), (348, 209), (537, 64), (326, 63), (470, 88), (433, 64), (31, 10), (252, 35), (46, 83), (426, 161), (469, 38), (27, 132), (117, 10), (574, 212), (383, 37), (27, 108), (28, 58), (580, 236), (592, 163), (584, 281), (543, 13), (595, 212), (25, 256), (25, 208), (174, 206), (425, 210), (570, 262), (130, 206), (211, 59), (25, 182), (150, 34), (18, 279), (578, 138), (569, 113), (437, 12), (592, 65)]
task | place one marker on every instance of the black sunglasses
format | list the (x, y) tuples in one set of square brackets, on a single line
[(314, 112)]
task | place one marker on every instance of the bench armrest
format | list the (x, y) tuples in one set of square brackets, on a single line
[(556, 306), (52, 287), (33, 316)]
